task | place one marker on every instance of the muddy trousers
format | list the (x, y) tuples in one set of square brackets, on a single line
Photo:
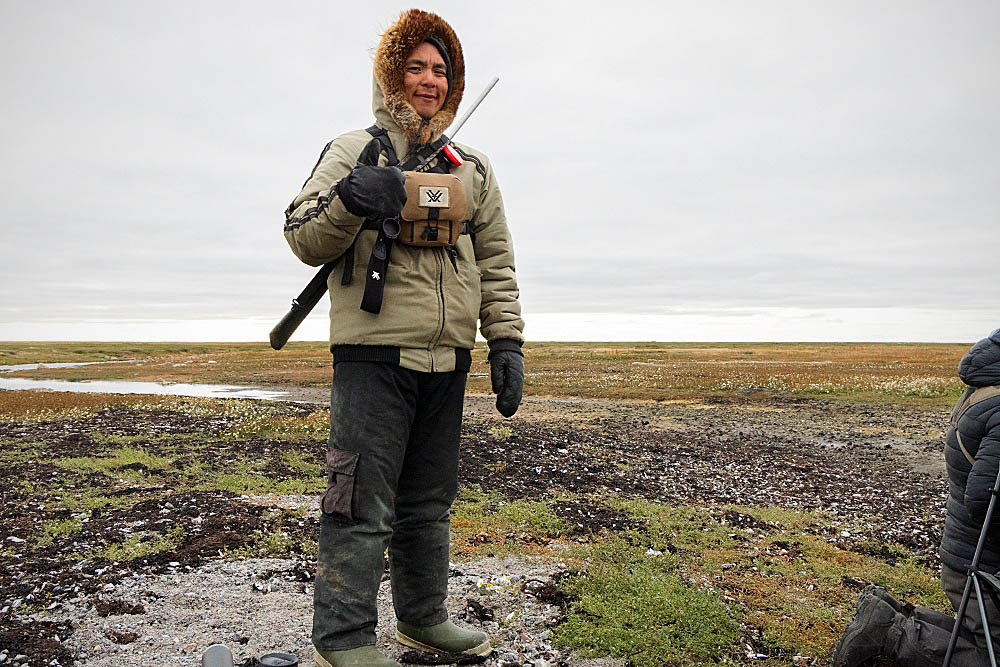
[(393, 475), (920, 638)]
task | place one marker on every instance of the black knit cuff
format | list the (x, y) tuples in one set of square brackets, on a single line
[(504, 345)]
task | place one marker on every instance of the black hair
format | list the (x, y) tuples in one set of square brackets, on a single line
[(438, 44)]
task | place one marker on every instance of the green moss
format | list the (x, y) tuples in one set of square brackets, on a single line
[(274, 544), (500, 432), (117, 462), (142, 544), (30, 488), (193, 469), (91, 500), (784, 570), (632, 605), (250, 483), (252, 419), (179, 443), (58, 528), (14, 450), (485, 523), (252, 477), (298, 462)]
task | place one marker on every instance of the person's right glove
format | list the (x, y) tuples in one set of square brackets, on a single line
[(507, 374), (373, 192)]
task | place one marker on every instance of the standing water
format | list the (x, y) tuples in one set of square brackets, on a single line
[(128, 386)]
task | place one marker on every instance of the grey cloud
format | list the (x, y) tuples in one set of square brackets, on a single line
[(779, 154), (768, 281)]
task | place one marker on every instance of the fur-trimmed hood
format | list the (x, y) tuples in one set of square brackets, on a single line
[(411, 29)]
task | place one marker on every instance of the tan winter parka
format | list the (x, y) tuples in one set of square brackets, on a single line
[(430, 307)]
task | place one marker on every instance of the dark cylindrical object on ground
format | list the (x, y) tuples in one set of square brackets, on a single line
[(278, 660)]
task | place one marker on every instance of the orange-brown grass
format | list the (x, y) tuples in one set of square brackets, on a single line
[(302, 364), (647, 371), (689, 370), (25, 403)]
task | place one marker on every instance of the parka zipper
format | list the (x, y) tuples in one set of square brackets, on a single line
[(440, 286)]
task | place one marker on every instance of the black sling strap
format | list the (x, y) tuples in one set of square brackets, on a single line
[(378, 263), (379, 134)]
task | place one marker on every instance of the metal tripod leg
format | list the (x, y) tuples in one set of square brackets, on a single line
[(986, 621), (973, 581)]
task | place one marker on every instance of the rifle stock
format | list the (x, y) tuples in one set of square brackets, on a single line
[(302, 305)]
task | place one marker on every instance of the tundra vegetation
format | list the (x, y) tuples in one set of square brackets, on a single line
[(713, 503)]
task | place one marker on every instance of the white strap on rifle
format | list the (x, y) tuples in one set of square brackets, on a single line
[(971, 398)]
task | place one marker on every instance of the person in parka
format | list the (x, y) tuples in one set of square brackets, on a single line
[(917, 636), (400, 369)]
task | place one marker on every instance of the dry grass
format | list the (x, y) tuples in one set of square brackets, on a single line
[(17, 404), (305, 364), (644, 371), (679, 370)]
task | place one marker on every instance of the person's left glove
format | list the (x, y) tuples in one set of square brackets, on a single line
[(507, 374), (373, 192)]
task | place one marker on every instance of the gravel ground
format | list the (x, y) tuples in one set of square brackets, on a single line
[(262, 605), (855, 461)]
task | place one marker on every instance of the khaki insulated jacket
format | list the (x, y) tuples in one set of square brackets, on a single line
[(430, 305)]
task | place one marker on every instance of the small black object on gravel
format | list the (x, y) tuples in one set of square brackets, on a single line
[(474, 608), (440, 658)]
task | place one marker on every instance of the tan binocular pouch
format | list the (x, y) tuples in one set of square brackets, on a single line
[(435, 209)]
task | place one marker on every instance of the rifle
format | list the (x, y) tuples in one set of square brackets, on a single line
[(303, 304)]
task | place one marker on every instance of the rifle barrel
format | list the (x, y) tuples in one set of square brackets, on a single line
[(475, 105)]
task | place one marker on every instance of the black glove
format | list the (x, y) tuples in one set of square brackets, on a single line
[(507, 374), (373, 192)]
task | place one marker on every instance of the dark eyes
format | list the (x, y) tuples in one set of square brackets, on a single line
[(417, 69)]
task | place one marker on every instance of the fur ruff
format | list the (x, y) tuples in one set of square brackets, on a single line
[(410, 29)]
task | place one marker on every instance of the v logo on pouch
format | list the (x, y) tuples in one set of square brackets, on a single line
[(433, 197)]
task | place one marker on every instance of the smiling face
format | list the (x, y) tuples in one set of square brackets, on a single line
[(425, 80)]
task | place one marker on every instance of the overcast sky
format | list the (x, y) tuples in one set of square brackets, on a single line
[(671, 171)]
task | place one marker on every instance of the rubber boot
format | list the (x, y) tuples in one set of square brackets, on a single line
[(444, 637), (363, 656), (866, 636)]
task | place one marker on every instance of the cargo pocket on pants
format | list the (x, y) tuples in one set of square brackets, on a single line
[(338, 498)]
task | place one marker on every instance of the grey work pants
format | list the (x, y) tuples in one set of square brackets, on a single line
[(393, 475), (921, 637)]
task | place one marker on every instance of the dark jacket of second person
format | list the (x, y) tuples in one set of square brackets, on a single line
[(970, 484)]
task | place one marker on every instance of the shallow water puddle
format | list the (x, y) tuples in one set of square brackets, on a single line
[(131, 387), (61, 364)]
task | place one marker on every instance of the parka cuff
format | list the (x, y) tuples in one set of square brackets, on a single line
[(504, 345)]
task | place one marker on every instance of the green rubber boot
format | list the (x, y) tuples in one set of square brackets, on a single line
[(363, 656), (444, 637)]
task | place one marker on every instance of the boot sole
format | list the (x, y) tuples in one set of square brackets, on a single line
[(320, 660), (483, 649)]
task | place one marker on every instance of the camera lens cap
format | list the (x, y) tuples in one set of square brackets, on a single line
[(278, 660)]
